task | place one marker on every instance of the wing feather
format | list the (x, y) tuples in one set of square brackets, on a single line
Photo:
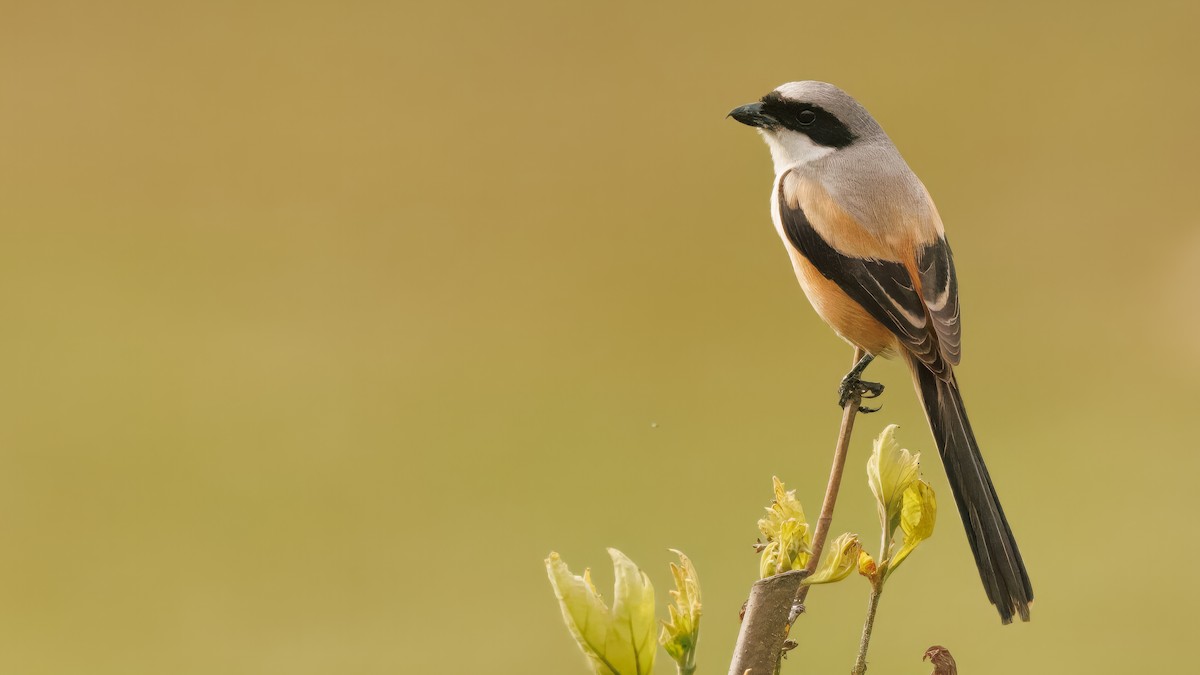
[(939, 288), (926, 321)]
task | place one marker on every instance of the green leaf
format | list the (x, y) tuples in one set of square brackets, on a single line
[(838, 562), (789, 542), (890, 471), (680, 634), (917, 518), (619, 641)]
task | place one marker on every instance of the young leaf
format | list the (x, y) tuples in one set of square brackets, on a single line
[(679, 635), (619, 641), (890, 471), (838, 562), (789, 542), (917, 518)]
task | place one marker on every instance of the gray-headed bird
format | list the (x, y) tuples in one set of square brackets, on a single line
[(870, 252)]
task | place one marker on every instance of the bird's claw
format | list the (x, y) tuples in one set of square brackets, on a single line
[(854, 388)]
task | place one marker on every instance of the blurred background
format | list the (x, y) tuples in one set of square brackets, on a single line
[(323, 323)]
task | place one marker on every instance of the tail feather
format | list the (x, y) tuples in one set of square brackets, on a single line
[(996, 555)]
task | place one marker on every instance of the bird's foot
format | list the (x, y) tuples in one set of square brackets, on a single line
[(853, 388)]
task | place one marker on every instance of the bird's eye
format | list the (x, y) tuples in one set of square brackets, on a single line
[(807, 117)]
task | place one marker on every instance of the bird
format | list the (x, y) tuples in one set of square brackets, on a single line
[(869, 250)]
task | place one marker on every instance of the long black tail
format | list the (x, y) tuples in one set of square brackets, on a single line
[(996, 555)]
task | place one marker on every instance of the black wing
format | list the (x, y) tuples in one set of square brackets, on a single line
[(885, 288)]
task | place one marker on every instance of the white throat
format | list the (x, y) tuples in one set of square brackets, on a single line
[(790, 149)]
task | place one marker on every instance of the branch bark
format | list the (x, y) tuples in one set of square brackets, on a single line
[(769, 611), (765, 625)]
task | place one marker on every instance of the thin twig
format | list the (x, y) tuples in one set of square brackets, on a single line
[(835, 482), (773, 600), (860, 664), (885, 554)]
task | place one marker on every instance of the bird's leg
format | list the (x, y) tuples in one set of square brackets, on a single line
[(853, 387)]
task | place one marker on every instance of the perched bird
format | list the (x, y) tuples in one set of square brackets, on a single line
[(943, 662), (870, 252)]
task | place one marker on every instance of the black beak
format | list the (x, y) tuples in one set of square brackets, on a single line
[(753, 115)]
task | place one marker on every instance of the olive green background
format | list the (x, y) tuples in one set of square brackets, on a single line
[(321, 324)]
